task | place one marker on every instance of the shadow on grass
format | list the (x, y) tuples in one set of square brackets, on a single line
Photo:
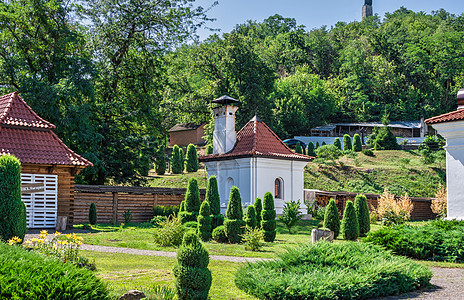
[(108, 227)]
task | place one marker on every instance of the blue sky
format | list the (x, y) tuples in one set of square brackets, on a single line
[(311, 13)]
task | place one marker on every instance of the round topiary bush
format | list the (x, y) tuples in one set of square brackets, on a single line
[(251, 217), (191, 203), (219, 234), (193, 279), (347, 142), (357, 145), (331, 218), (209, 149), (337, 143), (234, 225), (350, 224), (191, 164), (268, 215), (93, 214), (258, 209), (362, 212), (212, 197), (204, 222)]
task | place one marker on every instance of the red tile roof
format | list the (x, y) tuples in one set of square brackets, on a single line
[(29, 137), (457, 115), (257, 139)]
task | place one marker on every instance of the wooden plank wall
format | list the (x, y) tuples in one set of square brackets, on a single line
[(111, 203)]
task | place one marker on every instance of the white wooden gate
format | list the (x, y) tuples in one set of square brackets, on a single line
[(41, 206)]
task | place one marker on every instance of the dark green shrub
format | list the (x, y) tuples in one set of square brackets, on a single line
[(362, 212), (160, 160), (316, 146), (337, 143), (10, 198), (156, 221), (357, 145), (251, 217), (212, 197), (258, 209), (438, 240), (331, 218), (209, 149), (161, 210), (234, 225), (181, 160), (204, 222), (192, 202), (21, 225), (191, 164), (291, 214), (310, 151), (368, 152), (193, 279), (350, 225), (323, 143), (332, 271), (93, 214), (347, 142), (382, 139), (219, 234), (29, 275), (176, 160), (268, 215), (328, 152), (127, 215), (298, 148)]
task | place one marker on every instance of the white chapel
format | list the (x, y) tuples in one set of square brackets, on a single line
[(255, 160)]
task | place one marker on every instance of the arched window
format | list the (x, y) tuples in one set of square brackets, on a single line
[(278, 188)]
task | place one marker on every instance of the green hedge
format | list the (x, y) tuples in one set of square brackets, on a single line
[(28, 275), (166, 211), (332, 271), (437, 240)]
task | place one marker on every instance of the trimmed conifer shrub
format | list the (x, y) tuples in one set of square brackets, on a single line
[(331, 218), (258, 209), (251, 217), (362, 212), (337, 143), (160, 160), (209, 149), (191, 203), (310, 151), (234, 225), (93, 214), (323, 143), (21, 225), (316, 146), (176, 167), (350, 224), (268, 215), (181, 161), (204, 222), (219, 234), (347, 142), (10, 199), (191, 164), (212, 197), (193, 279), (357, 145), (298, 148)]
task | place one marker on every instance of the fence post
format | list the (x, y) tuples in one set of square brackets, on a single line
[(115, 207)]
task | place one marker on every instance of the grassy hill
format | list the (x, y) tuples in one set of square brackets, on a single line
[(398, 171)]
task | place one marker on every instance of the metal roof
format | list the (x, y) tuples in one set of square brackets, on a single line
[(395, 124)]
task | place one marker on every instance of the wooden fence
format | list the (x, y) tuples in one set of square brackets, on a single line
[(113, 201)]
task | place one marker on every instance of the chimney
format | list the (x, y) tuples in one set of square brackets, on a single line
[(367, 9), (461, 99), (224, 135)]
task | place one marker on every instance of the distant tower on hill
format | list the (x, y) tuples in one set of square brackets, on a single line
[(367, 9)]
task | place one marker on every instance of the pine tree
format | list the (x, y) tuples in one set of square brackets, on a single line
[(181, 161), (93, 214), (268, 215), (192, 159), (346, 142), (12, 209), (234, 225), (331, 218), (357, 145), (192, 202), (323, 143), (350, 224), (251, 217), (362, 212), (175, 160), (317, 146), (258, 209), (193, 279), (337, 143), (204, 222), (209, 149), (212, 197), (311, 149), (298, 148)]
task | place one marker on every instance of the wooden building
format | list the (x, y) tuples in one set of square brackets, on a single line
[(184, 134), (48, 166)]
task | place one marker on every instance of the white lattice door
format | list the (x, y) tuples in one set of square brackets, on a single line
[(41, 206)]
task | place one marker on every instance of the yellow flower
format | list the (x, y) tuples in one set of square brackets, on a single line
[(57, 233), (27, 243), (122, 224), (69, 236)]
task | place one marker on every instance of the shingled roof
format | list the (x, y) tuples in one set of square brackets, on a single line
[(257, 139), (457, 115), (29, 137)]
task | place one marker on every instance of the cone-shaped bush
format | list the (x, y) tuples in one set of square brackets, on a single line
[(209, 149), (160, 160), (323, 143), (337, 143), (268, 215), (21, 225), (251, 217), (176, 166), (193, 279), (331, 218), (12, 217), (316, 146), (192, 159), (258, 209), (310, 151), (350, 224), (212, 197), (298, 148), (234, 224), (192, 202), (93, 214), (181, 160), (357, 145), (362, 212), (205, 228), (346, 142)]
